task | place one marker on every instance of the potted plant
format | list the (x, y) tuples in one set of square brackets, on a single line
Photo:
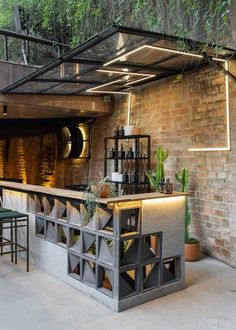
[(156, 176), (192, 245), (96, 190)]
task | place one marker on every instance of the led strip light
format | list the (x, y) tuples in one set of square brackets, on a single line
[(123, 57)]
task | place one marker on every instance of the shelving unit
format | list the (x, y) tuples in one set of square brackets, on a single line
[(136, 166)]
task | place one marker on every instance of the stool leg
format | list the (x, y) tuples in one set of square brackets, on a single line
[(1, 239), (15, 242), (11, 230), (27, 244)]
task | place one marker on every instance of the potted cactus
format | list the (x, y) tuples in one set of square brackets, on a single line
[(156, 176), (192, 245)]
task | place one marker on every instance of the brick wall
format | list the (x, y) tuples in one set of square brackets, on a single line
[(180, 115), (34, 160)]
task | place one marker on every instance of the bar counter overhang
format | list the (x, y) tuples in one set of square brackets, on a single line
[(130, 251)]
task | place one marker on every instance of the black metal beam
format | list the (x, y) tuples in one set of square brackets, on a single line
[(68, 81), (31, 38), (10, 128), (216, 63), (74, 52), (156, 35)]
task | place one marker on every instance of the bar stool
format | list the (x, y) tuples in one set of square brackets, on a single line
[(14, 220)]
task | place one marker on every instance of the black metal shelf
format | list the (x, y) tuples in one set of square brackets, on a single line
[(136, 165), (138, 158), (128, 137)]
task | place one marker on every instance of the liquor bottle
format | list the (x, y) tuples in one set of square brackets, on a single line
[(116, 132), (121, 131), (121, 152), (125, 177), (130, 153), (161, 186), (133, 177), (168, 187), (112, 153), (144, 177)]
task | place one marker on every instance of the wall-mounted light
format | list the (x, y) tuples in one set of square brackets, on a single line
[(5, 110)]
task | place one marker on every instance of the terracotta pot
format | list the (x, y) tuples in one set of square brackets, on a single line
[(104, 191), (136, 131), (191, 252)]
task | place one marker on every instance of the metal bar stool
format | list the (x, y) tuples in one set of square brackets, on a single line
[(14, 220), (2, 209)]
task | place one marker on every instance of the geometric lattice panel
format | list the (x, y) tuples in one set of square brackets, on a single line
[(151, 275), (89, 244), (62, 235), (50, 231), (170, 270), (151, 247), (39, 226), (75, 240), (74, 213), (89, 272), (74, 265), (128, 283), (105, 221), (130, 222), (106, 250), (105, 280), (129, 252), (61, 210)]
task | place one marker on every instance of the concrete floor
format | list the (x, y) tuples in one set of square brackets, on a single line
[(39, 301)]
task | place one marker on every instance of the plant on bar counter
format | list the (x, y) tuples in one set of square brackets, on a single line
[(156, 176), (96, 190), (192, 245)]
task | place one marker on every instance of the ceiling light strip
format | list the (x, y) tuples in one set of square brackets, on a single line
[(119, 58), (127, 73)]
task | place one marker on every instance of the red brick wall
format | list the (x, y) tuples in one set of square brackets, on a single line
[(181, 115), (34, 160)]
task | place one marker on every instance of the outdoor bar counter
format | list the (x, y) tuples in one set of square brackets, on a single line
[(129, 252)]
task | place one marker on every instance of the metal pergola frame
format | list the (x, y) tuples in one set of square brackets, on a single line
[(194, 48)]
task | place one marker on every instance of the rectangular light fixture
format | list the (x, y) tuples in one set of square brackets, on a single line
[(119, 58), (94, 89)]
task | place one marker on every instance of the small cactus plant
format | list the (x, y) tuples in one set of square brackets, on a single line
[(155, 177), (182, 177)]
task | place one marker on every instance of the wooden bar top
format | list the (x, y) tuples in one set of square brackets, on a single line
[(72, 194)]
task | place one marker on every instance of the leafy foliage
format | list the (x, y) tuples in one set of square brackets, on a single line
[(155, 177), (182, 177), (73, 21)]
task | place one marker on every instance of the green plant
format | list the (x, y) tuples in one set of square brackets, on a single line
[(183, 177), (93, 193), (156, 176)]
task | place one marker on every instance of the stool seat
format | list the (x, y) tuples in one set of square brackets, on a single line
[(11, 215), (2, 209)]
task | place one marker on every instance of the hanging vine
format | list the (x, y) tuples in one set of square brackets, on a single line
[(73, 21)]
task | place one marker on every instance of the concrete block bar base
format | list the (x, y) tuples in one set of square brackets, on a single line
[(129, 252)]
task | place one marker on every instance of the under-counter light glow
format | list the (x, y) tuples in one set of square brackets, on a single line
[(166, 199), (228, 146)]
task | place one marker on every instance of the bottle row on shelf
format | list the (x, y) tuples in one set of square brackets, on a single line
[(124, 154), (131, 177)]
